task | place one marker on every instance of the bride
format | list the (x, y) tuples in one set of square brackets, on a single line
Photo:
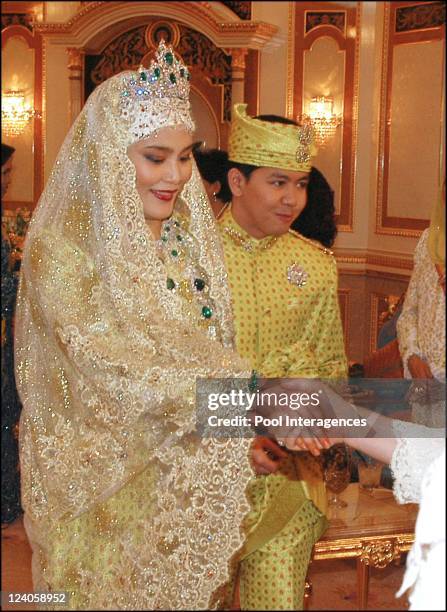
[(123, 303)]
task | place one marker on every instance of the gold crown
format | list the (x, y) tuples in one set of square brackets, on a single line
[(265, 144)]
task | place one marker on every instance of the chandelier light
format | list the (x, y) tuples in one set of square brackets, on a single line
[(323, 119), (15, 113)]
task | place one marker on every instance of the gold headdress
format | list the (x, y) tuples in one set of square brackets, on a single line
[(158, 96), (266, 144)]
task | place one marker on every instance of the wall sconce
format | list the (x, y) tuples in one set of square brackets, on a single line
[(323, 119), (15, 114)]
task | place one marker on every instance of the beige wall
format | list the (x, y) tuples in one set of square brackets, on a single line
[(273, 72), (56, 102)]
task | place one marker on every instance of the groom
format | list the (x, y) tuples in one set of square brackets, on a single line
[(287, 320)]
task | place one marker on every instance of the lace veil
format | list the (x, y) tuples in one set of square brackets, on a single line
[(107, 357)]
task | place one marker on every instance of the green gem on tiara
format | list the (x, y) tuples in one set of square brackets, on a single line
[(143, 76), (172, 78), (169, 58), (157, 72)]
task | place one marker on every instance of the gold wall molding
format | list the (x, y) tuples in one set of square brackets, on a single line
[(290, 60), (74, 58), (238, 59), (369, 258), (386, 223), (96, 17)]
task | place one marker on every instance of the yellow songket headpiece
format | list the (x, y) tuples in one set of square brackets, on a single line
[(262, 143)]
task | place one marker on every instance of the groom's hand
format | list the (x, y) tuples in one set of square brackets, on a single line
[(266, 455)]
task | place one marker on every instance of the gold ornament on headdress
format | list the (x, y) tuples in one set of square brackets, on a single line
[(266, 144), (159, 95)]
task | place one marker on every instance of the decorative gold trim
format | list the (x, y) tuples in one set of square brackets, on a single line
[(350, 260), (290, 59), (74, 58), (380, 554), (349, 228), (373, 259), (83, 26), (171, 27), (44, 108), (238, 59), (405, 232), (389, 262), (382, 116), (374, 274), (354, 547)]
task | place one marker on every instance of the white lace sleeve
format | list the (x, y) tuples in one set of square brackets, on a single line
[(417, 446), (407, 323)]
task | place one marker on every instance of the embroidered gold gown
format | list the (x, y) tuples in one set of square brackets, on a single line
[(126, 508), (284, 297)]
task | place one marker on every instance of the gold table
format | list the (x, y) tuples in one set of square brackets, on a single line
[(373, 528)]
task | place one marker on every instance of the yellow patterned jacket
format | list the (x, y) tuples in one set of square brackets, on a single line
[(285, 303)]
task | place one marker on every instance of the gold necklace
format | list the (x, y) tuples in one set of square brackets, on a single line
[(246, 243), (225, 205)]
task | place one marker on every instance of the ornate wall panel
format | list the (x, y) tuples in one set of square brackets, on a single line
[(411, 116), (366, 301), (326, 63), (23, 19), (241, 9), (22, 70)]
